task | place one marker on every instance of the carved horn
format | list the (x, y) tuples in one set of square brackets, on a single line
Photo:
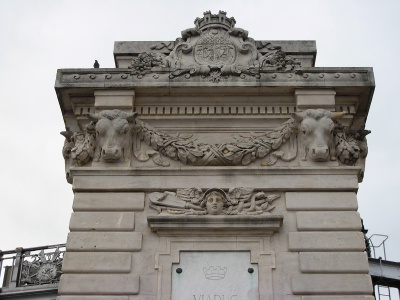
[(93, 117), (337, 115), (298, 116), (131, 116), (67, 134)]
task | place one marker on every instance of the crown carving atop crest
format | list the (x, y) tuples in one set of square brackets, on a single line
[(215, 273), (216, 21)]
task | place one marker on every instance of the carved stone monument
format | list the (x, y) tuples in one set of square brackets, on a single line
[(215, 167)]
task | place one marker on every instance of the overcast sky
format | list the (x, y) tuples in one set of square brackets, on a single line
[(39, 37)]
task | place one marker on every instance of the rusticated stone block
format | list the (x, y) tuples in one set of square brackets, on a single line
[(102, 221), (332, 221), (333, 262), (321, 201), (104, 241), (108, 202), (97, 262), (352, 297), (98, 284), (326, 241), (325, 284)]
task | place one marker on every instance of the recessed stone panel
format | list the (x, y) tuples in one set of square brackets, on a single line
[(215, 275)]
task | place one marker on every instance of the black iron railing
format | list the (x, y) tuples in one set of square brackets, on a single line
[(28, 267)]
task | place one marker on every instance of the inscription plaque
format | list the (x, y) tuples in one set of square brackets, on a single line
[(215, 275)]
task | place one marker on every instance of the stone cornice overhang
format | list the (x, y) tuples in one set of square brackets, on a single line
[(345, 81)]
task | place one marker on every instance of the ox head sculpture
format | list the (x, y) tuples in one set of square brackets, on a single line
[(113, 134), (315, 132)]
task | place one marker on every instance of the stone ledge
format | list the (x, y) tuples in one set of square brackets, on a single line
[(113, 179), (215, 225)]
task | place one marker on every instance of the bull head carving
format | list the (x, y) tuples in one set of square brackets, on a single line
[(315, 131), (113, 134)]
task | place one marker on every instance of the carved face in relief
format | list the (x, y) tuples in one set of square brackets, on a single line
[(214, 203)]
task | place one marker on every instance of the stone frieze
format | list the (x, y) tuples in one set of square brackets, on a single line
[(315, 135)]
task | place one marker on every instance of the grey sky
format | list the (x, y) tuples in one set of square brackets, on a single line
[(39, 37)]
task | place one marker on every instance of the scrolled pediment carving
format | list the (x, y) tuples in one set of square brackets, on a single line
[(215, 49)]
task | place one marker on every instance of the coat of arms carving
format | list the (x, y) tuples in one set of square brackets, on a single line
[(215, 48)]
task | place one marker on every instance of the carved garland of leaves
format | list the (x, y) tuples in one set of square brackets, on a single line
[(246, 149)]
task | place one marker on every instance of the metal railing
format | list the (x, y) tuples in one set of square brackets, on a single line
[(27, 267), (385, 282)]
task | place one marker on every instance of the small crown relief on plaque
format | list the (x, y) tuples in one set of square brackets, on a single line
[(215, 272)]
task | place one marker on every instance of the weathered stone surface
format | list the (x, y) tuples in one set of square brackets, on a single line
[(333, 262), (325, 284), (97, 262), (321, 201), (98, 284), (331, 221), (108, 201), (326, 241), (104, 241), (102, 221)]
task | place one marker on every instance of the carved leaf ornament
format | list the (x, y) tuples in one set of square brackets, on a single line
[(215, 48)]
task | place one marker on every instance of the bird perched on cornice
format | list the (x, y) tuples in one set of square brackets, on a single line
[(96, 64)]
